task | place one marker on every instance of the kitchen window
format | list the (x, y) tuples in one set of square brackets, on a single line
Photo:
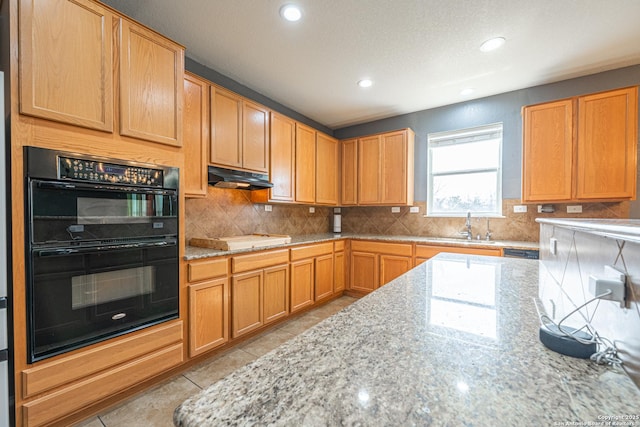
[(464, 172)]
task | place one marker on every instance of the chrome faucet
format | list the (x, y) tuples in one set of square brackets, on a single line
[(488, 235), (468, 232)]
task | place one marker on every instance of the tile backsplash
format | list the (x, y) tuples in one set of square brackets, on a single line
[(226, 212)]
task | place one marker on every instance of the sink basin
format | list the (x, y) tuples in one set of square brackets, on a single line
[(463, 242)]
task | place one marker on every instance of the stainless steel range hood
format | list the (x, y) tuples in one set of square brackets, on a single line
[(228, 178)]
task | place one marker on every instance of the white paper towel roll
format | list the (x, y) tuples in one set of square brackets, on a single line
[(337, 223)]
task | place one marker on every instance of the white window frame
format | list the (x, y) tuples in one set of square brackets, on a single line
[(461, 136)]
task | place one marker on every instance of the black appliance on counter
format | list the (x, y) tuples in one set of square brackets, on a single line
[(102, 249)]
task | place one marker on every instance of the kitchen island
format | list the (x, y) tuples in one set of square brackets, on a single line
[(453, 341)]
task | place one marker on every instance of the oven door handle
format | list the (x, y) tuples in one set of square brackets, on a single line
[(103, 248), (102, 187)]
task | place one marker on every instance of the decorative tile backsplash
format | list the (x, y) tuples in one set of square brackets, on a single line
[(564, 286), (226, 212)]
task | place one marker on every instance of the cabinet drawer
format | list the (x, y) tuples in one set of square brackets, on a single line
[(260, 260), (339, 246), (402, 249), (47, 409), (209, 269), (311, 251), (54, 374)]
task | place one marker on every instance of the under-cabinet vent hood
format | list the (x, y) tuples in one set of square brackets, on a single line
[(227, 178)]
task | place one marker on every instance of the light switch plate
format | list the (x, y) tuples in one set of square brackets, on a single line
[(574, 209), (520, 208), (395, 209), (414, 209)]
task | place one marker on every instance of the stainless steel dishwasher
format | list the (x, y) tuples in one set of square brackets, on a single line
[(521, 253)]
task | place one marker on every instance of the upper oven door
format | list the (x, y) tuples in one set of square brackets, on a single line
[(68, 212)]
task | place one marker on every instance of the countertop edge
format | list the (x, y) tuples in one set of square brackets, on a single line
[(624, 229)]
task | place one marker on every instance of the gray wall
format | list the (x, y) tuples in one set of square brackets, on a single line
[(503, 108), (234, 86)]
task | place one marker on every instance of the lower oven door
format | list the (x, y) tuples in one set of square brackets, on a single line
[(77, 297)]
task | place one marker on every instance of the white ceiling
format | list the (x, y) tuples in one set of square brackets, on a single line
[(420, 53)]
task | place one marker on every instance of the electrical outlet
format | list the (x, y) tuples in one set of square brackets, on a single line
[(574, 209), (312, 209), (395, 209), (336, 210), (268, 208), (553, 246), (414, 209), (520, 208)]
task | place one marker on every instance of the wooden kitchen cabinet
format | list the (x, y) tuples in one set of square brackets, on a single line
[(374, 264), (76, 88), (259, 290), (385, 172), (424, 252), (327, 169), (67, 72), (349, 169), (282, 167), (305, 164), (151, 85), (239, 132), (340, 266), (311, 274), (195, 117), (581, 149), (208, 304)]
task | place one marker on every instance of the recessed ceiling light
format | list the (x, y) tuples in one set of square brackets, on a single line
[(291, 12), (365, 83), (492, 44), (466, 92)]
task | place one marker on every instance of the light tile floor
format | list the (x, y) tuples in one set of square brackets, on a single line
[(155, 407)]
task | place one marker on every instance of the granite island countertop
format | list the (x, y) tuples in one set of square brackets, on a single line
[(193, 252), (452, 342), (625, 229)]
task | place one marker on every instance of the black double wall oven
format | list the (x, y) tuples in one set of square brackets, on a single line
[(102, 249)]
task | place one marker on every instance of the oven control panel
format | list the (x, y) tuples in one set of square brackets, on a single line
[(102, 172)]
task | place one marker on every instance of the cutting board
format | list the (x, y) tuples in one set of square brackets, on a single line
[(240, 242)]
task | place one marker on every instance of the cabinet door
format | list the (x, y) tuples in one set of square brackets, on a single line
[(324, 277), (302, 278), (392, 266), (607, 145), (246, 302), (255, 137), (195, 117), (283, 134), (226, 128), (364, 271), (151, 85), (208, 315), (276, 293), (393, 167), (77, 86), (547, 151), (339, 272), (369, 173), (305, 164), (326, 170), (349, 193)]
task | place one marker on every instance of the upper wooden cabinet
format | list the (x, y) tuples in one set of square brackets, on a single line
[(384, 173), (67, 71), (305, 164), (282, 166), (66, 62), (349, 178), (239, 132), (581, 149), (195, 116), (151, 84), (327, 169)]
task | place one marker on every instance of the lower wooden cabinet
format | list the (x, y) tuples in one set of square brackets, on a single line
[(339, 267), (259, 290), (424, 252), (375, 263), (312, 274), (209, 296), (302, 281)]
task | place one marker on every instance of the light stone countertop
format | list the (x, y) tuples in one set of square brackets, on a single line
[(193, 252), (625, 229), (452, 342)]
